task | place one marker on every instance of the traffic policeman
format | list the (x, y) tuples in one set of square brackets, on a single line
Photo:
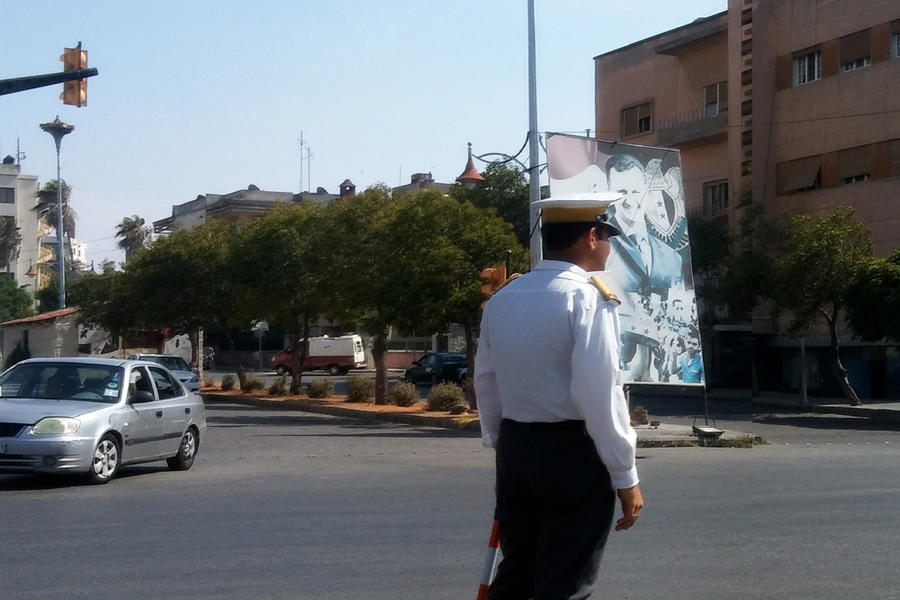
[(551, 402)]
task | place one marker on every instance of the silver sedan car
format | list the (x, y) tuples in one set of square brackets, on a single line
[(93, 415)]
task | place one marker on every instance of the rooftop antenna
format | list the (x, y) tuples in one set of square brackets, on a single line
[(301, 161), (309, 156), (20, 155)]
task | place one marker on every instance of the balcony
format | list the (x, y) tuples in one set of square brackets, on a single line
[(700, 126)]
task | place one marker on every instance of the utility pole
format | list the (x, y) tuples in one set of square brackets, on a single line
[(58, 129), (534, 180)]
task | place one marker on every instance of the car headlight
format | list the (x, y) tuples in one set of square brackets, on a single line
[(56, 425)]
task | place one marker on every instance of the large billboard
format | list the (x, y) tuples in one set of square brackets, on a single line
[(649, 266)]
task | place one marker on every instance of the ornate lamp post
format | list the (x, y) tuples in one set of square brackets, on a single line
[(58, 129)]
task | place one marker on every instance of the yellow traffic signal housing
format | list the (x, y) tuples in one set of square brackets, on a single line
[(74, 92), (495, 276)]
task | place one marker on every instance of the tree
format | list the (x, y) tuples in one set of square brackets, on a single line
[(133, 233), (483, 239), (505, 190), (15, 302), (10, 238), (873, 298), (286, 259), (814, 274), (184, 281), (46, 207), (393, 260)]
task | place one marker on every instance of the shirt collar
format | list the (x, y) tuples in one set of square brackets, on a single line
[(559, 265)]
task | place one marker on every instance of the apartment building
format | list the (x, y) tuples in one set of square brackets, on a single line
[(796, 102), (18, 193)]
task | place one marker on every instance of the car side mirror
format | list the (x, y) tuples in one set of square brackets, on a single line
[(140, 397)]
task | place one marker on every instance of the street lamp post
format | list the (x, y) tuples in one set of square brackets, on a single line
[(58, 129)]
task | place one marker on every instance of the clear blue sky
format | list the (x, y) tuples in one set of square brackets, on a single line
[(197, 97)]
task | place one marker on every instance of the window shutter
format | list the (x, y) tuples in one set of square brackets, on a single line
[(802, 173), (855, 161), (855, 46)]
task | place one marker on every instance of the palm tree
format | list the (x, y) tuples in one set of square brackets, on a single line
[(10, 238), (46, 207), (135, 235)]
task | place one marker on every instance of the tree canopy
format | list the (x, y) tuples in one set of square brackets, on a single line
[(15, 302), (874, 297), (813, 275)]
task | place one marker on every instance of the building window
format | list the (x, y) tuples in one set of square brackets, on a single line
[(637, 119), (715, 198), (7, 195), (807, 68), (715, 98), (859, 63), (855, 179), (895, 45)]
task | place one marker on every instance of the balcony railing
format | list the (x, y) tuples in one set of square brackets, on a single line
[(711, 111), (692, 126)]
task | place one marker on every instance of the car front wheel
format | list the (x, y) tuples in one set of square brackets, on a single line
[(105, 462), (187, 450), (333, 370)]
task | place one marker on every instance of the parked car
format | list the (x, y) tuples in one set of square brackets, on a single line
[(177, 365), (93, 415), (435, 367), (336, 355)]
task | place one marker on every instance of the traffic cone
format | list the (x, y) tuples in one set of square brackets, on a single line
[(490, 562)]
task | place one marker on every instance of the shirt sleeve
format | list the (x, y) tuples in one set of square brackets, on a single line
[(487, 393), (597, 388)]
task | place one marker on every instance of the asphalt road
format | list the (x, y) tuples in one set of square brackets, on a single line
[(295, 505)]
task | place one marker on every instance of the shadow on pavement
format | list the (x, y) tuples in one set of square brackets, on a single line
[(824, 421)]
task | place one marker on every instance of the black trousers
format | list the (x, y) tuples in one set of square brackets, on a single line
[(555, 506)]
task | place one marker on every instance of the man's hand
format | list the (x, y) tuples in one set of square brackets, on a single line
[(632, 502)]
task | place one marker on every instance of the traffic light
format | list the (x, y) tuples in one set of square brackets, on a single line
[(74, 92)]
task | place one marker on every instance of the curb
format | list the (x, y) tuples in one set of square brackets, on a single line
[(647, 437), (462, 423)]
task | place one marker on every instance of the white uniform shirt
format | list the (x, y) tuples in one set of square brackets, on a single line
[(548, 352)]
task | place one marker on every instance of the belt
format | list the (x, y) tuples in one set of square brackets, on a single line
[(543, 426)]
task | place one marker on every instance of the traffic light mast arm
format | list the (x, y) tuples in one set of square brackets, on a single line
[(20, 84)]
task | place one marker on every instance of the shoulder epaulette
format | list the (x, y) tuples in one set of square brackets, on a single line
[(505, 283), (605, 290)]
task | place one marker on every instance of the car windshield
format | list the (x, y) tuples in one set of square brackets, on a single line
[(62, 381), (452, 359), (173, 363)]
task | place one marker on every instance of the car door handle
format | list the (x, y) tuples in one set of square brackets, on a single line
[(159, 414)]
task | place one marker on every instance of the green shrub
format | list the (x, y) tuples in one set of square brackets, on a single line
[(209, 382), (227, 382), (445, 396), (17, 354), (360, 388), (279, 387), (321, 388), (253, 382), (404, 394)]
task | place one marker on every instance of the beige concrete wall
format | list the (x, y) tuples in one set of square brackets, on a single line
[(839, 111), (44, 338), (876, 203)]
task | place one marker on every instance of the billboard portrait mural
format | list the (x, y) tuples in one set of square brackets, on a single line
[(649, 266)]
